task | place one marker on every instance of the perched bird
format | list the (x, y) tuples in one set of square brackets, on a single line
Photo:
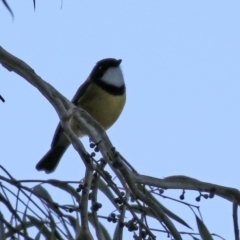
[(102, 95)]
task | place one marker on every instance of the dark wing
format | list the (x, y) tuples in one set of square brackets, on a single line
[(59, 130), (82, 89)]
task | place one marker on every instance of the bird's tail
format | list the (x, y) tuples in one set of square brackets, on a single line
[(51, 159)]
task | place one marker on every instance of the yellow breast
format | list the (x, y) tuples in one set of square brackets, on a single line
[(101, 105)]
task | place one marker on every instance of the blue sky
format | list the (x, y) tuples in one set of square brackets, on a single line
[(181, 62)]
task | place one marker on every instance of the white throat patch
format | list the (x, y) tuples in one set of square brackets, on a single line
[(113, 76)]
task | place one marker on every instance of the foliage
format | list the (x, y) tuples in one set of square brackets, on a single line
[(135, 199), (35, 207), (5, 3)]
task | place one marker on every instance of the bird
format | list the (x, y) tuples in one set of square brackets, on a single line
[(102, 95)]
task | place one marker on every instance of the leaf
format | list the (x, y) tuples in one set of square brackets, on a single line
[(194, 238), (66, 187), (74, 222), (116, 232), (103, 229), (8, 8), (174, 216), (204, 233), (164, 209), (2, 232), (42, 192), (40, 225), (103, 187)]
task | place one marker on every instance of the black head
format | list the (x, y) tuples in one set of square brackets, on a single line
[(103, 65)]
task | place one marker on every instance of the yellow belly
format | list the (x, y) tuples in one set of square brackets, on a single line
[(101, 105)]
